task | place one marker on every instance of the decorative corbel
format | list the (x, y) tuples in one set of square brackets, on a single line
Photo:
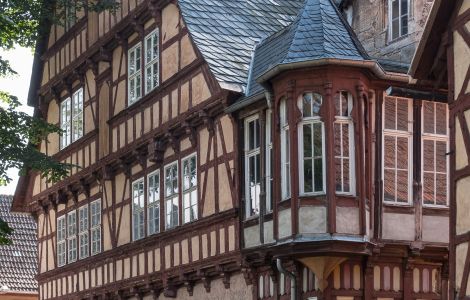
[(157, 151), (137, 292), (247, 275), (169, 289), (189, 287), (155, 9), (74, 193), (104, 55), (141, 155), (55, 95), (207, 283), (121, 40), (93, 66), (80, 75), (173, 141), (120, 295), (191, 133), (138, 26), (85, 187), (156, 292), (125, 167), (208, 121), (62, 196)]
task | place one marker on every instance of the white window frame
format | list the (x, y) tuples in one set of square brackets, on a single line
[(136, 76), (286, 186), (435, 137), (268, 157), (249, 153), (391, 19), (83, 234), (61, 233), (95, 226), (155, 204), (341, 120), (310, 121), (397, 134), (171, 199), (72, 236), (153, 60), (138, 210), (71, 118), (189, 191)]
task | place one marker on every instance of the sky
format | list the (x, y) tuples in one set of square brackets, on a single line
[(21, 60)]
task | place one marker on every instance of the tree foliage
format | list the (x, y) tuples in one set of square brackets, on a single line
[(23, 23)]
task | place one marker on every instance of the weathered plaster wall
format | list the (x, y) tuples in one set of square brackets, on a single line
[(370, 22)]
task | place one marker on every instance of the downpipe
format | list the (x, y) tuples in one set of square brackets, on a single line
[(293, 286)]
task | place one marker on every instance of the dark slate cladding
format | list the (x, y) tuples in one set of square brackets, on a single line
[(226, 31), (18, 262), (318, 32)]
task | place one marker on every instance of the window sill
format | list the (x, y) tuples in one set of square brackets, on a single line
[(398, 39)]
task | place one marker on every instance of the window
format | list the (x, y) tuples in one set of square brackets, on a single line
[(434, 147), (134, 73), (150, 70), (252, 165), (311, 145), (189, 189), (344, 144), (61, 235), (72, 236), (151, 61), (398, 18), (153, 204), (71, 118), (285, 151), (171, 196), (83, 231), (138, 209), (95, 226), (397, 137), (269, 163)]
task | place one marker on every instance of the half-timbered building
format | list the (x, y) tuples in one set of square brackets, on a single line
[(443, 58), (235, 149)]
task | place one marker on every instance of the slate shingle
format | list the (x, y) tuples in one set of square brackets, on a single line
[(18, 262)]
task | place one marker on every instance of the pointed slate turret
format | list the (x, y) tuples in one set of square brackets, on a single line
[(319, 32)]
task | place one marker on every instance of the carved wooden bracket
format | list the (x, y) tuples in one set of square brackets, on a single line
[(189, 287), (208, 121), (207, 283), (156, 151), (93, 66), (120, 295), (173, 141), (191, 132), (248, 275), (85, 187), (62, 196), (104, 55), (73, 192), (141, 155), (55, 95), (125, 167), (138, 26), (155, 8), (169, 291)]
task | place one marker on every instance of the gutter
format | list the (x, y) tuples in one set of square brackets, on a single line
[(244, 102), (293, 286), (367, 64)]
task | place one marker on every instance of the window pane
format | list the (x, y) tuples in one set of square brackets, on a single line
[(428, 155), (338, 174), (441, 189), (390, 113), (441, 158), (345, 137), (402, 186), (318, 169), (318, 140), (428, 188), (308, 176), (395, 8), (337, 129), (389, 151), (307, 105), (307, 132), (402, 153), (441, 118), (395, 28), (316, 104), (402, 114), (389, 185), (404, 25), (404, 7)]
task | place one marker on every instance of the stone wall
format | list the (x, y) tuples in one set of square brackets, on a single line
[(370, 22)]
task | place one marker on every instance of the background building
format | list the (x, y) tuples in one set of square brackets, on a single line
[(18, 262)]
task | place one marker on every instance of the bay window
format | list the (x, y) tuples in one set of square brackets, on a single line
[(138, 209), (397, 149), (171, 196), (344, 144), (189, 189), (285, 151), (71, 118), (434, 144), (153, 202), (311, 145), (252, 165)]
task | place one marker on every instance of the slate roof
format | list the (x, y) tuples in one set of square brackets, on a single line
[(318, 32), (18, 262), (226, 31)]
